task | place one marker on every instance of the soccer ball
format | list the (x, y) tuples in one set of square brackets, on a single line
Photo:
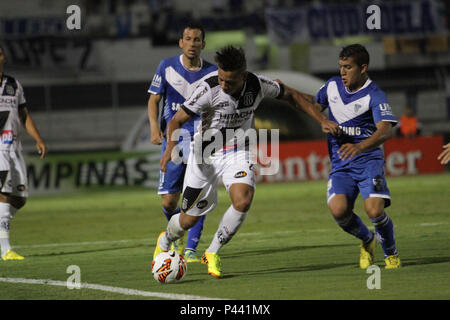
[(169, 267)]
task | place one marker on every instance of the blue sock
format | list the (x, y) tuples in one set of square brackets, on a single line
[(385, 234), (354, 225), (194, 234), (169, 214)]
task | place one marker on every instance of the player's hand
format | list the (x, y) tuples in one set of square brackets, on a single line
[(41, 149), (166, 157), (445, 155), (156, 136), (348, 151), (331, 127)]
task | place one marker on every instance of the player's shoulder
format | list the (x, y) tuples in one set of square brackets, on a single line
[(377, 95), (257, 80), (212, 80), (170, 61), (335, 79)]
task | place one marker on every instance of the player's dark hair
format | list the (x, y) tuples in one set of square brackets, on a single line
[(193, 25), (230, 58), (358, 52)]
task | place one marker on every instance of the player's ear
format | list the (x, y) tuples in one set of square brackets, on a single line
[(180, 43), (364, 68), (203, 44)]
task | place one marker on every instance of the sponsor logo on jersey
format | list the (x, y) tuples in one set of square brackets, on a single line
[(385, 109), (357, 107), (4, 100), (156, 82), (198, 96), (7, 137), (351, 131), (232, 116)]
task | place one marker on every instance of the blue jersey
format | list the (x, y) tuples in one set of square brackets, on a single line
[(175, 84), (357, 114)]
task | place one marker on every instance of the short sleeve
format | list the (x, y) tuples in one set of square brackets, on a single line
[(381, 111), (158, 83), (270, 88), (198, 101), (322, 96), (20, 94)]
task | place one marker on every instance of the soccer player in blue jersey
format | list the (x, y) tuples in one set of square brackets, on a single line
[(174, 81), (362, 111)]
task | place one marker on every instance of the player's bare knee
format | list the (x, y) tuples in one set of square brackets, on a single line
[(187, 221), (374, 207), (339, 210), (374, 212), (169, 202), (242, 204), (242, 200)]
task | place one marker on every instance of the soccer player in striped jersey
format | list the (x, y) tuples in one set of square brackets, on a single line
[(174, 81), (13, 177), (362, 111), (227, 103)]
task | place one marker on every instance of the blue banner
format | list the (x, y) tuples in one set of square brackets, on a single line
[(325, 21)]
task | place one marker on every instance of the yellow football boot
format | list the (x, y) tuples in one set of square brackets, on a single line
[(392, 262), (158, 250), (212, 259), (366, 256), (179, 245), (11, 255)]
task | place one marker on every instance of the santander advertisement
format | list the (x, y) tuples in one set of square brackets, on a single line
[(308, 160)]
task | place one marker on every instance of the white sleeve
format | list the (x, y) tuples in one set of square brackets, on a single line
[(199, 100), (269, 88), (20, 94)]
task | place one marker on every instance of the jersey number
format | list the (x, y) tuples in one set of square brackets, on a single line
[(176, 106)]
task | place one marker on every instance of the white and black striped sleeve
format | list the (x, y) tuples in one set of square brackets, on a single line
[(198, 101)]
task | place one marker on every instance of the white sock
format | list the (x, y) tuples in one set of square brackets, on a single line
[(173, 232), (6, 213), (228, 226)]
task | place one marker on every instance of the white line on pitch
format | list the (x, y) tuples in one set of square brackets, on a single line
[(432, 224), (86, 243), (130, 292)]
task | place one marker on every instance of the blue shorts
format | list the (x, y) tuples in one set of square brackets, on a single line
[(368, 180), (172, 180)]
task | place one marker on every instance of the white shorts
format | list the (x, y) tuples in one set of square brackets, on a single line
[(200, 180), (13, 174)]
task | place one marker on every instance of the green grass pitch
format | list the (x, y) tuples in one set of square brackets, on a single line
[(289, 247)]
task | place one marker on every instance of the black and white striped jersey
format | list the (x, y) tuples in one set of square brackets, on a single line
[(220, 111), (12, 98)]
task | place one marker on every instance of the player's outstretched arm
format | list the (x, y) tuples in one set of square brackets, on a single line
[(32, 130), (383, 133), (156, 135), (307, 104), (445, 155), (177, 121)]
